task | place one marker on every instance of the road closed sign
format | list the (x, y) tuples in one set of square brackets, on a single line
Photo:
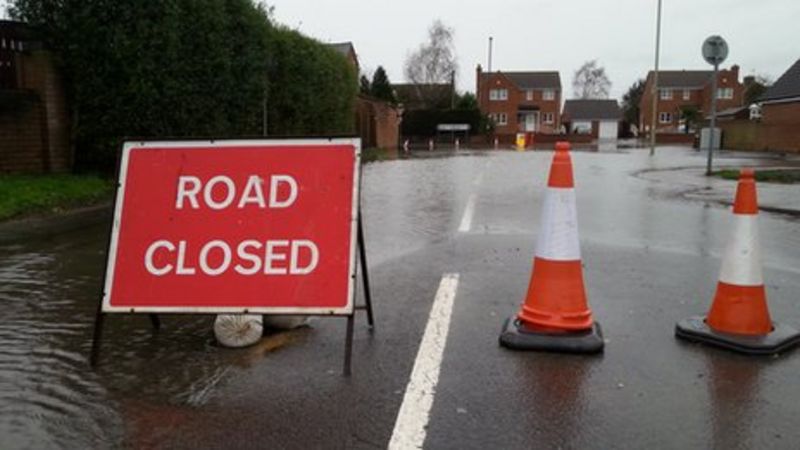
[(258, 226)]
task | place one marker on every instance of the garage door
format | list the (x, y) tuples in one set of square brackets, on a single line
[(608, 130)]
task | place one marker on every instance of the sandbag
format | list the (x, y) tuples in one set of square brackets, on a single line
[(238, 330)]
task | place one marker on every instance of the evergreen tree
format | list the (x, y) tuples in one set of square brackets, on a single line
[(381, 87), (364, 85)]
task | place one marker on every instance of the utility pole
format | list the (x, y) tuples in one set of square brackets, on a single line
[(653, 116), (453, 90)]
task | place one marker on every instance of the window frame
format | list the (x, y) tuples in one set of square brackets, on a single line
[(502, 119), (548, 94), (665, 94), (663, 114)]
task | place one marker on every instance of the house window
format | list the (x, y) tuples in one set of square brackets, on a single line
[(498, 94), (502, 119), (665, 94), (725, 93), (547, 118), (529, 94), (687, 94), (548, 94), (665, 117)]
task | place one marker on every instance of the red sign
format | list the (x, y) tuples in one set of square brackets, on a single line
[(235, 226)]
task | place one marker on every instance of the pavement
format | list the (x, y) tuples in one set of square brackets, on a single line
[(450, 240), (692, 183)]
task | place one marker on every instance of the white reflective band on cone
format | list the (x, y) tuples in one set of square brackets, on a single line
[(741, 263), (238, 330), (558, 233)]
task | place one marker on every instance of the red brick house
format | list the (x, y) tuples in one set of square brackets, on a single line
[(773, 123), (687, 89), (780, 104), (520, 101)]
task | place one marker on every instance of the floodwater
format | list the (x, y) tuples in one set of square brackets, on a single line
[(149, 382)]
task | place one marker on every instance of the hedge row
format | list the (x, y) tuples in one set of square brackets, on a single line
[(188, 68)]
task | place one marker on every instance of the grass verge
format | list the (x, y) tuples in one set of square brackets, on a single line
[(785, 176), (377, 154), (21, 195)]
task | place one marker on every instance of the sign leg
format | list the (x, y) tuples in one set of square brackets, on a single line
[(362, 250), (348, 346), (156, 321), (96, 339)]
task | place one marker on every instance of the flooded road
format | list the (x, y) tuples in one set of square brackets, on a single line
[(651, 257)]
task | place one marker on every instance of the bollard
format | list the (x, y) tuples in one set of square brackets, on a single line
[(496, 143), (457, 144), (405, 146), (430, 145)]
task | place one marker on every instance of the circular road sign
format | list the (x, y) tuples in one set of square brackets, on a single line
[(715, 50)]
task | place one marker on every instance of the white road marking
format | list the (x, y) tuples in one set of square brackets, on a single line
[(469, 211), (412, 420)]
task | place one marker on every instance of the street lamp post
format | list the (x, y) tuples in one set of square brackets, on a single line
[(654, 114)]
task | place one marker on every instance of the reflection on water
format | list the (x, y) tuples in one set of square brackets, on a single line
[(49, 289), (557, 404), (733, 386)]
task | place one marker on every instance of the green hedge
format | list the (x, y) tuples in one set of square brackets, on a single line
[(187, 68)]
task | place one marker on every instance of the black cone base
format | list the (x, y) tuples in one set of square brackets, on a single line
[(516, 336), (781, 338)]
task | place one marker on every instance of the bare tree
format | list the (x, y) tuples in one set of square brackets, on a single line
[(591, 81), (434, 62)]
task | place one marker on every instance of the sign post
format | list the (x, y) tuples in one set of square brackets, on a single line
[(715, 50), (236, 227)]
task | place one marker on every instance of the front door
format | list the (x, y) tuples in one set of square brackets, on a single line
[(531, 119)]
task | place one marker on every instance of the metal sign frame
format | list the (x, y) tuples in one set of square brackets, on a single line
[(356, 241)]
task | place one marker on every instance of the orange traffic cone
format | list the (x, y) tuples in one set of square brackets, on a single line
[(739, 318), (555, 315)]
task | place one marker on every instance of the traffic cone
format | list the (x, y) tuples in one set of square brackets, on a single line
[(739, 318), (555, 315)]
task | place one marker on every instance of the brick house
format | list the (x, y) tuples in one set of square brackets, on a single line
[(773, 123), (520, 101), (780, 108), (687, 89), (34, 123)]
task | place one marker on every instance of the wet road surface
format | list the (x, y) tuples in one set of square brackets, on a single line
[(651, 258)]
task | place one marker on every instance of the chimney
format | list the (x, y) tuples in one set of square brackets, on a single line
[(748, 80), (735, 71)]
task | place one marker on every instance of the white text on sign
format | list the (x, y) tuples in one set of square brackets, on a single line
[(248, 257)]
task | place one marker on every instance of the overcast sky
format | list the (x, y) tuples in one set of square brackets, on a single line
[(763, 36)]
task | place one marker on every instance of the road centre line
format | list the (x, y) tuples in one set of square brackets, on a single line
[(469, 211), (412, 419)]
